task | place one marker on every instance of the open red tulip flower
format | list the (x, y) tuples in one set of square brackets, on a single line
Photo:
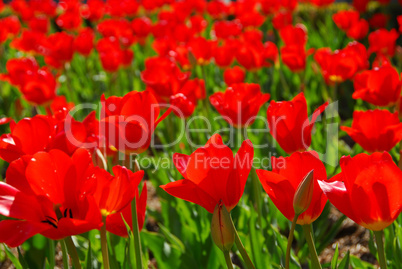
[(345, 19), (294, 35), (234, 75), (349, 21), (27, 137), (114, 194), (84, 42), (201, 49), (111, 54), (58, 48), (342, 64), (289, 124), (375, 130), (287, 174), (163, 77), (44, 133), (128, 122), (185, 101), (380, 86), (240, 103), (367, 190), (383, 41), (10, 26), (115, 222), (37, 85), (46, 193), (212, 175), (294, 52)]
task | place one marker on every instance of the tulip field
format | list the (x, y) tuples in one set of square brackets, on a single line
[(200, 134)]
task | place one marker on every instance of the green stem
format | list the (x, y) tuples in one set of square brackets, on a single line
[(255, 183), (73, 252), (240, 247), (380, 249), (228, 260), (290, 240), (136, 235), (52, 251), (65, 254), (105, 254), (310, 242), (257, 194)]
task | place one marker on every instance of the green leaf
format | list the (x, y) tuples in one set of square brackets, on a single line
[(355, 262), (88, 260), (12, 258), (22, 259), (174, 240), (167, 256), (344, 264), (334, 261)]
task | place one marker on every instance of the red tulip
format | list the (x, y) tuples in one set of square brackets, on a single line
[(198, 23), (121, 8), (380, 87), (226, 29), (29, 41), (294, 53), (58, 49), (249, 55), (70, 19), (345, 19), (84, 42), (240, 103), (294, 57), (10, 26), (375, 130), (59, 108), (46, 193), (367, 190), (40, 24), (201, 49), (400, 23), (119, 29), (251, 19), (38, 86), (115, 223), (93, 10), (185, 101), (27, 137), (294, 35), (212, 175), (383, 41), (287, 173), (44, 133), (112, 56), (163, 76), (289, 124), (358, 30), (343, 64), (113, 193), (234, 75), (224, 55), (128, 122), (282, 19), (141, 28)]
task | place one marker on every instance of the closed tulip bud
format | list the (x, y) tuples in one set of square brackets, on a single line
[(304, 194), (222, 230)]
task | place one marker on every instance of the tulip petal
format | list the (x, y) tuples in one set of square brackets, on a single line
[(16, 232)]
